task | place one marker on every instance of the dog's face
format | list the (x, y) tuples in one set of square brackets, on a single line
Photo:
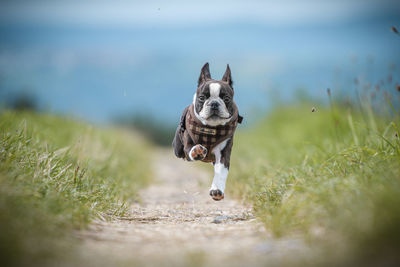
[(213, 100)]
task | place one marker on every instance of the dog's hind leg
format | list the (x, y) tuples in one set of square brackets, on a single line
[(222, 154), (177, 144)]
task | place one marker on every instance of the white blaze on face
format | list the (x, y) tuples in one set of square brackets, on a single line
[(215, 88), (204, 114)]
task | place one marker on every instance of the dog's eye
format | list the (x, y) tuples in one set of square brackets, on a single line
[(227, 99), (202, 98)]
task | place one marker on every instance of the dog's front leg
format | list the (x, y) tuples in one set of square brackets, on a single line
[(222, 154), (197, 152), (192, 150)]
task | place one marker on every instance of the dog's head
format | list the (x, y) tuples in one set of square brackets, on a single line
[(213, 101)]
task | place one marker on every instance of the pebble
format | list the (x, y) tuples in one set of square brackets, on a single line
[(220, 219)]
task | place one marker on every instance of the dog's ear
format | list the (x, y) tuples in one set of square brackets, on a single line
[(227, 76), (204, 74)]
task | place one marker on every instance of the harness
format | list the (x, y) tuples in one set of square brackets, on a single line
[(205, 135)]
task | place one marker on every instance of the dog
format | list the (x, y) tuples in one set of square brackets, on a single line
[(207, 127)]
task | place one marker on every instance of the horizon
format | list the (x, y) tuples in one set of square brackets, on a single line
[(109, 60)]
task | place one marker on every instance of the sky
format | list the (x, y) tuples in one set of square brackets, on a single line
[(190, 13), (98, 60)]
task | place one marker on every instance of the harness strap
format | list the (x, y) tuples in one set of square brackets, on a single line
[(240, 119)]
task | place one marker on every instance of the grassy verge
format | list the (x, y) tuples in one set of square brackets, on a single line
[(331, 176), (56, 175)]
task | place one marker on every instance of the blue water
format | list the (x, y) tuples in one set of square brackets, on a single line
[(99, 73)]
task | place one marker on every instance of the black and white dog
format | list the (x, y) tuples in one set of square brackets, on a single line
[(207, 127)]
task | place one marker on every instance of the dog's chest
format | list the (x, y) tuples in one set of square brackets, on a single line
[(207, 136)]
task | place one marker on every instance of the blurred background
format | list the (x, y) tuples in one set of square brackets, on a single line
[(317, 83), (107, 61)]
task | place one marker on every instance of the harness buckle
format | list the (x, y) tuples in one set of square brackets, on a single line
[(207, 130)]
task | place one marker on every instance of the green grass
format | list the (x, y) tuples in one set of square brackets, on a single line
[(330, 176), (56, 175)]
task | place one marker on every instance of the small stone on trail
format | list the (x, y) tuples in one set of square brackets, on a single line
[(220, 219)]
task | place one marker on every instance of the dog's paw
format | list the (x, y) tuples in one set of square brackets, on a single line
[(216, 194), (198, 152)]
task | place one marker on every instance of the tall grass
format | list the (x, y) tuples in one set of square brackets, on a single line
[(56, 175), (332, 175)]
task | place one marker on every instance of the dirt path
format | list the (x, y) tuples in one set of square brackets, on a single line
[(178, 224)]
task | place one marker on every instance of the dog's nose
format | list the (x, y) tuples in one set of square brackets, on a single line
[(214, 105)]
